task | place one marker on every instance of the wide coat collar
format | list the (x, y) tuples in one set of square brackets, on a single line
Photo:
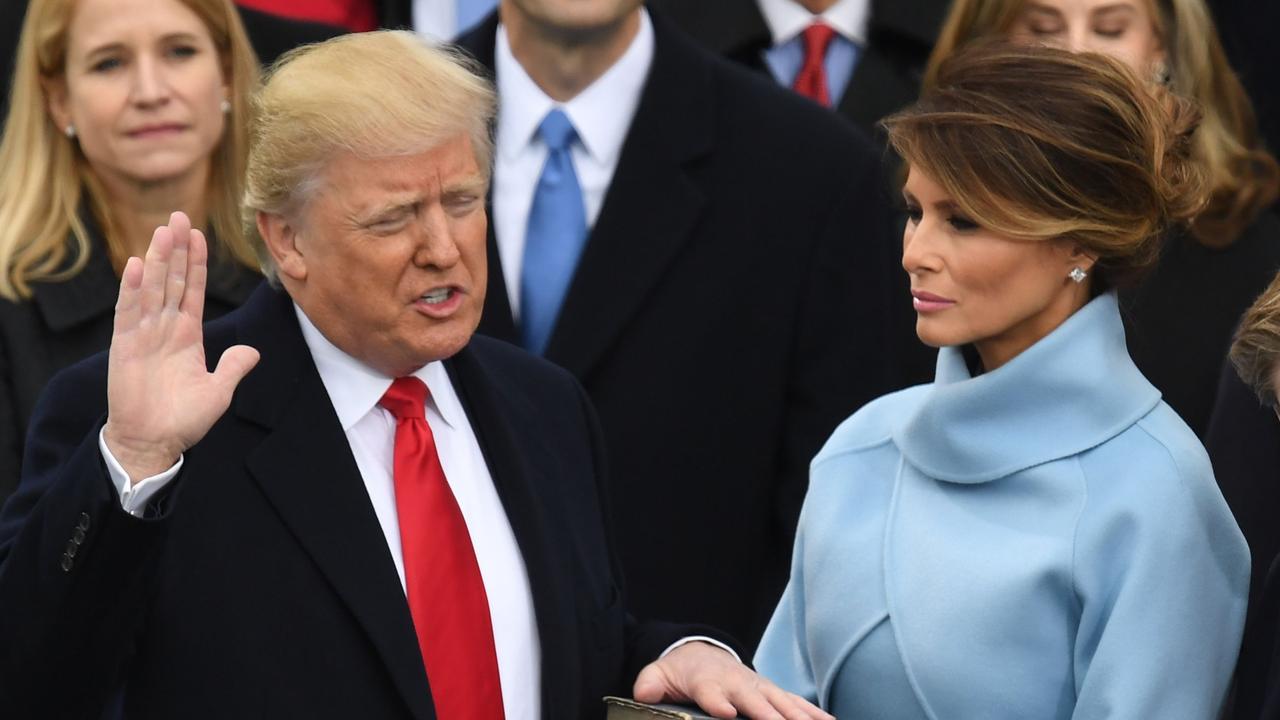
[(1073, 390), (305, 468), (649, 212)]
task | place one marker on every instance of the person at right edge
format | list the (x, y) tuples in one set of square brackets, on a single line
[(1036, 534)]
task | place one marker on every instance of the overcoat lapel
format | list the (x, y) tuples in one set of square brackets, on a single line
[(649, 212), (305, 468), (518, 483)]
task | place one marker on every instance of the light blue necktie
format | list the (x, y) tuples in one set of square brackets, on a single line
[(470, 12), (555, 236)]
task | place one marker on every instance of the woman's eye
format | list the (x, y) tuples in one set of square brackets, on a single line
[(1043, 30), (105, 65), (914, 214), (962, 224), (182, 51), (1111, 33)]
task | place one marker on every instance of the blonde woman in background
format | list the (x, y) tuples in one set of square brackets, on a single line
[(122, 112), (1180, 319)]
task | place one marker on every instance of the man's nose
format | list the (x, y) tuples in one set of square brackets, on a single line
[(436, 242)]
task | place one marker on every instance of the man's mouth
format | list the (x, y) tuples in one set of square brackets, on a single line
[(437, 296)]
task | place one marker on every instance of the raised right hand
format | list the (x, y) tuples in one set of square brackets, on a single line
[(161, 399)]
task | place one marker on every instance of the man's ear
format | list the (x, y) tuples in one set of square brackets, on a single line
[(281, 238), (55, 97)]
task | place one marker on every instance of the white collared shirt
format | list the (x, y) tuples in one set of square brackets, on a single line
[(601, 114), (787, 19), (354, 390), (443, 20)]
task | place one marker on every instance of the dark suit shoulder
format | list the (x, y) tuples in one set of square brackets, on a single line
[(772, 116), (513, 368)]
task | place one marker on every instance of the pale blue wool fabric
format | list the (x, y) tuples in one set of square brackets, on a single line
[(1045, 540)]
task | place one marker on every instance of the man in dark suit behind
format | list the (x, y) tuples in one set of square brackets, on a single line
[(890, 39), (362, 511), (718, 288)]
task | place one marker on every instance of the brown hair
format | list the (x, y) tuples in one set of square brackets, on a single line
[(1037, 143), (1243, 177), (44, 176), (1257, 344)]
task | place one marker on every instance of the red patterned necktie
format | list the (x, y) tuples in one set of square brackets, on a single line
[(811, 82), (446, 593)]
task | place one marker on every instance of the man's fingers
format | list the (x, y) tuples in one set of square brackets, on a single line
[(127, 302), (197, 276), (176, 278), (155, 271), (235, 363), (793, 707), (650, 685), (712, 700)]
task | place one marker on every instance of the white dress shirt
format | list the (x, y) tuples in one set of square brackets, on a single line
[(787, 19), (601, 114), (443, 20), (354, 389)]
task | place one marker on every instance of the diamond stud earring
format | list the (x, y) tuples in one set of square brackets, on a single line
[(70, 131), (1078, 275), (225, 106)]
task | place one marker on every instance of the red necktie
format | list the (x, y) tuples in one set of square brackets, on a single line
[(446, 593), (811, 82)]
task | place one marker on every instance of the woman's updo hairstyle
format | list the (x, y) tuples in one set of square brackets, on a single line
[(1038, 143)]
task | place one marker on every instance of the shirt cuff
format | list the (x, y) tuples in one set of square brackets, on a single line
[(699, 638), (134, 496)]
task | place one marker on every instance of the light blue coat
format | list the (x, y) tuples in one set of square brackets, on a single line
[(1045, 540)]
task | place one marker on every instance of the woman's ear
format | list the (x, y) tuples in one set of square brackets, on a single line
[(1077, 256), (55, 97)]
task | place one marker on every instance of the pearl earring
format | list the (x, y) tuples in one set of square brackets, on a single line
[(1078, 275), (226, 106), (1160, 72), (70, 131)]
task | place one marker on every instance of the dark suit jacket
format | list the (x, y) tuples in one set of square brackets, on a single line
[(1179, 320), (261, 585), (729, 309), (65, 322), (889, 69), (1244, 444)]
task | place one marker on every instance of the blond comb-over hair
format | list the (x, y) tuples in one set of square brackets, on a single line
[(375, 94)]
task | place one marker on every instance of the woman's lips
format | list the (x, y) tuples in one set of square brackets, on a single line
[(150, 131), (928, 302)]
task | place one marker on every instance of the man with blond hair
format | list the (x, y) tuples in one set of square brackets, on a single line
[(362, 510)]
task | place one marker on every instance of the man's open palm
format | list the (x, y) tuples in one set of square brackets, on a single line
[(161, 399)]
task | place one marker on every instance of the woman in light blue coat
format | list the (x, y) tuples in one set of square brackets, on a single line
[(1035, 534)]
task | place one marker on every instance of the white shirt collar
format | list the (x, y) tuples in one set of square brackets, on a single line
[(355, 388), (787, 19), (601, 113)]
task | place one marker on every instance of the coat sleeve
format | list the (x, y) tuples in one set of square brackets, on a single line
[(1161, 574), (75, 568), (783, 654)]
